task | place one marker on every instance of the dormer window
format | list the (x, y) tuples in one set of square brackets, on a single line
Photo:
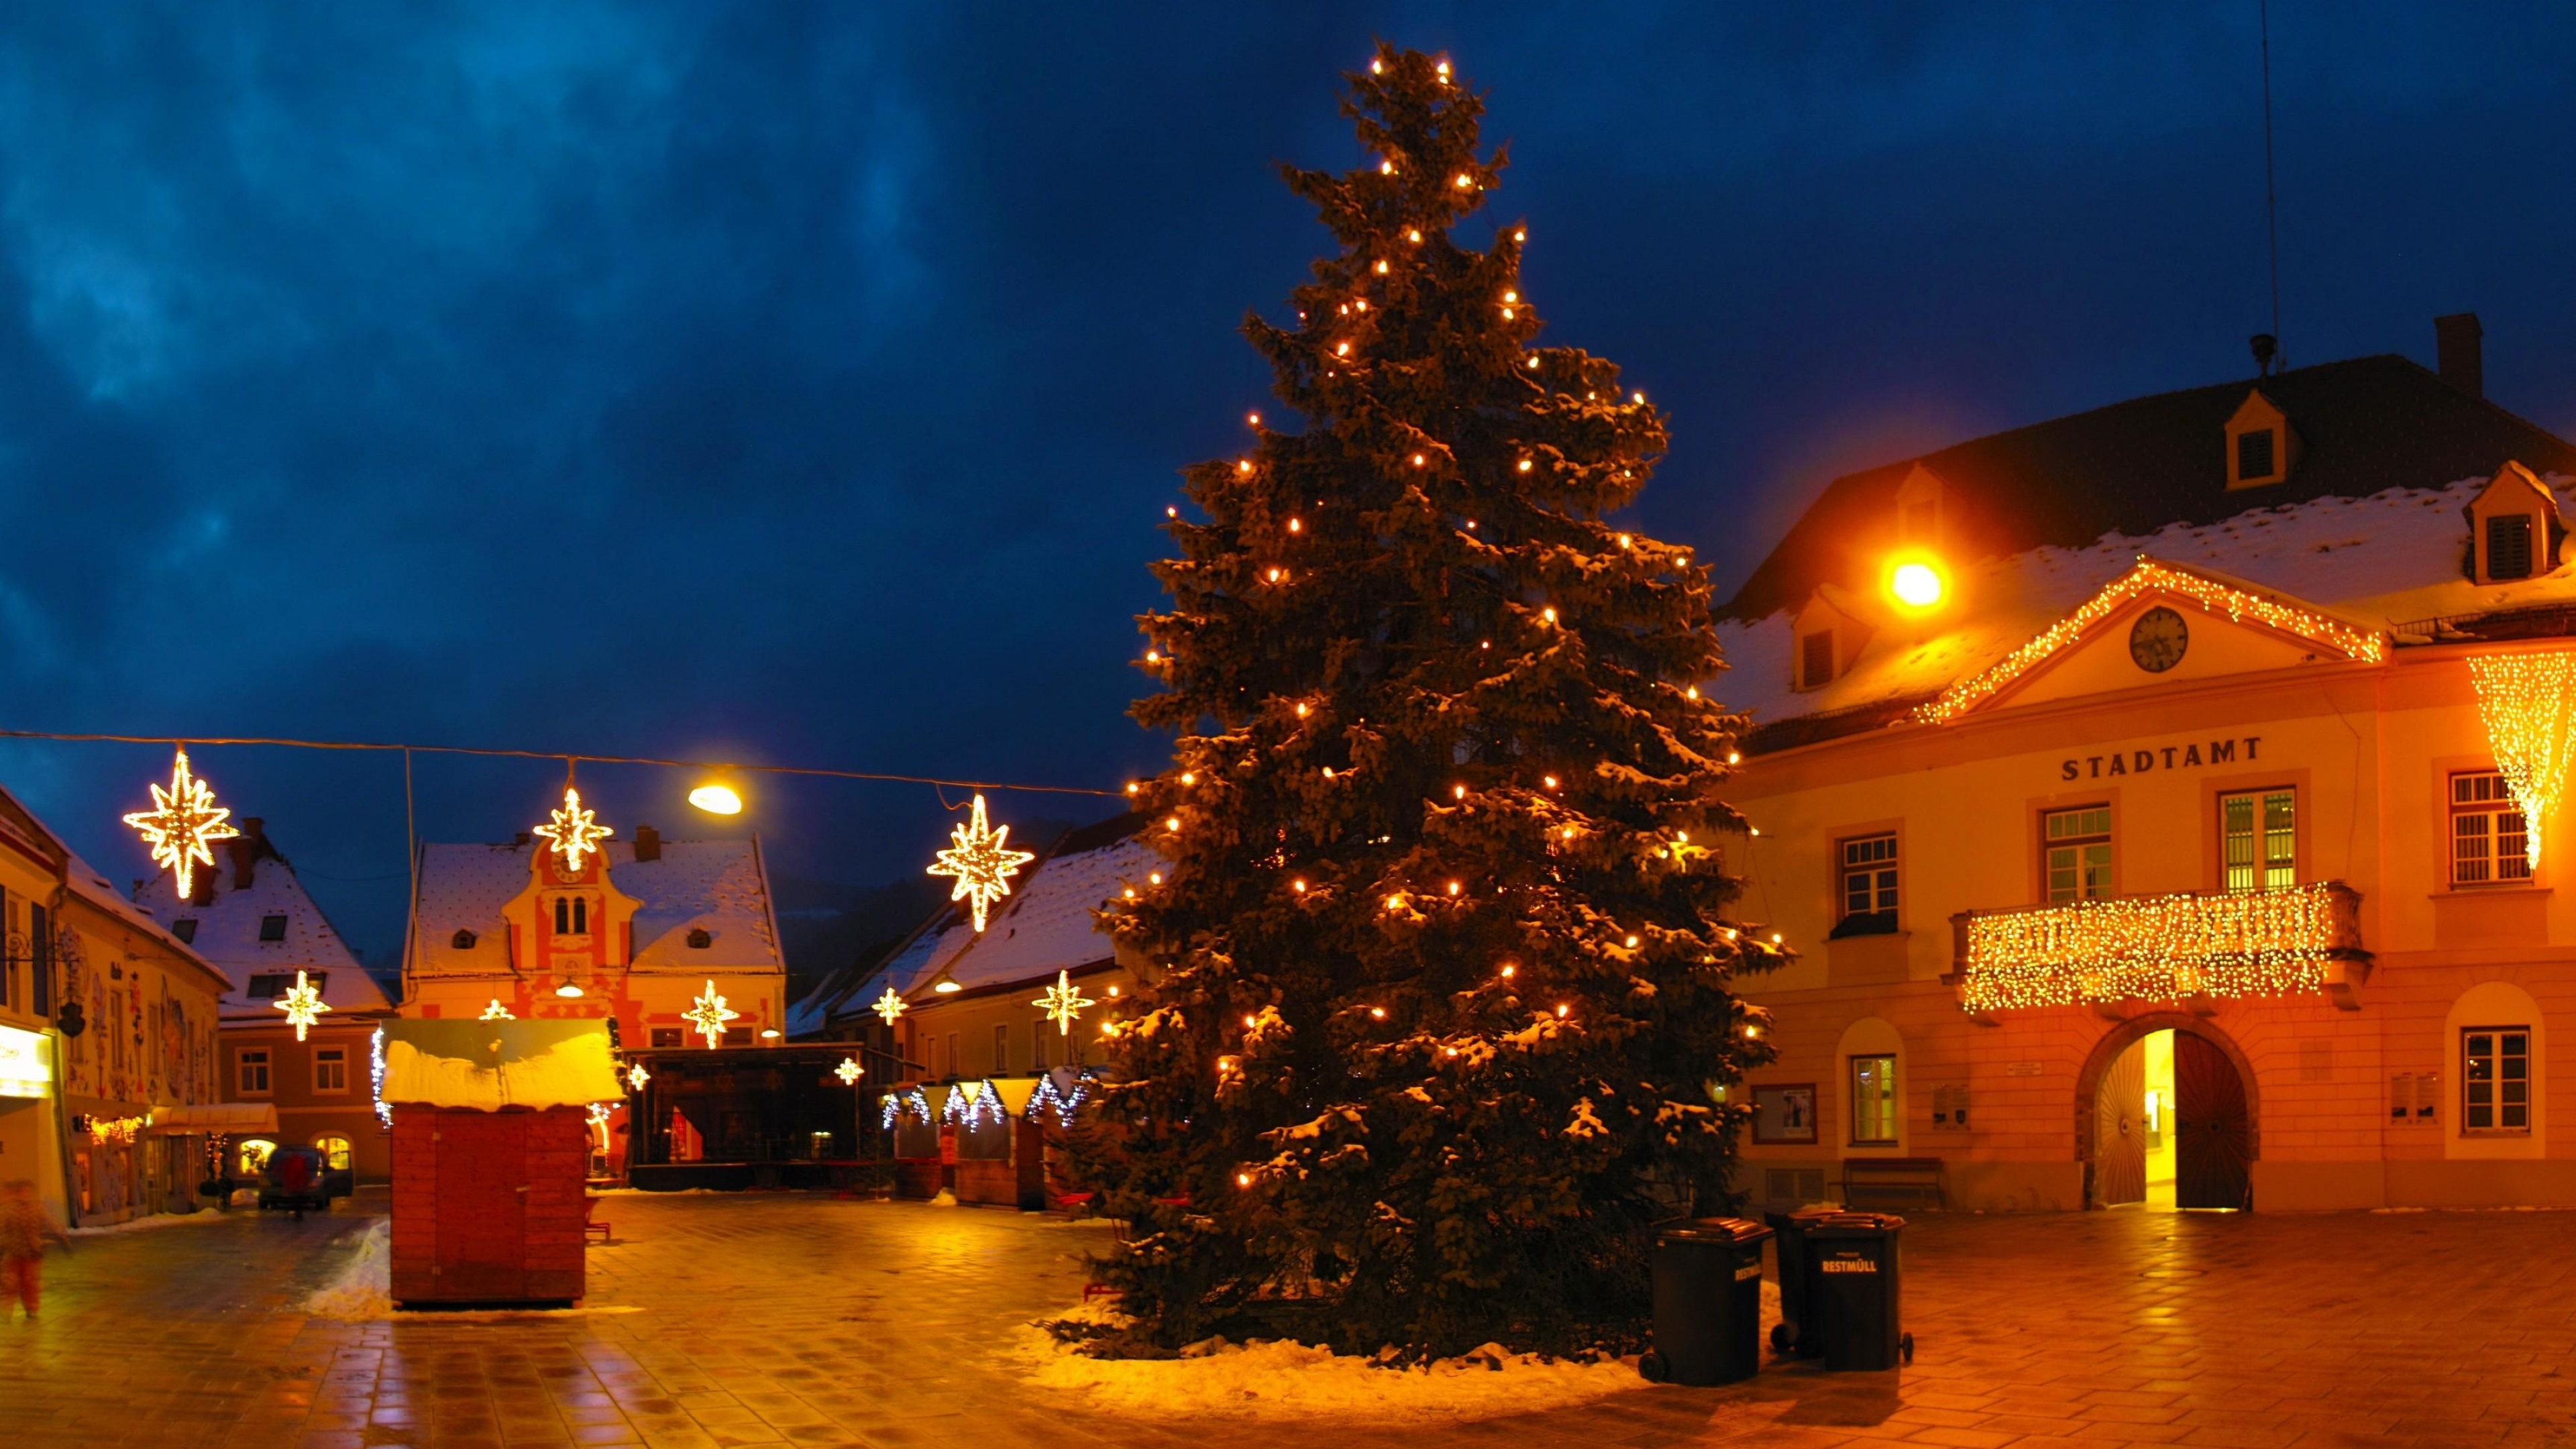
[(272, 928), (1918, 508), (699, 939), (462, 941), (185, 928), (1816, 659), (2509, 546), (2254, 453), (270, 985), (2260, 446), (2514, 528)]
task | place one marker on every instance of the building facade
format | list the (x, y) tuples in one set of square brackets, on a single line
[(250, 917), (2163, 802)]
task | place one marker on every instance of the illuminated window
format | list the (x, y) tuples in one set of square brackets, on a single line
[(272, 928), (2495, 1081), (1868, 877), (335, 1151), (2078, 843), (2509, 546), (2488, 834), (250, 1071), (2258, 839), (331, 1069), (1873, 1094), (1816, 659), (253, 1156)]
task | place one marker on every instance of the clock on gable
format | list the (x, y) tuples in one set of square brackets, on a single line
[(2158, 639)]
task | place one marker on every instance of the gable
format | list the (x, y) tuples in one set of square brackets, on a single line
[(2105, 660)]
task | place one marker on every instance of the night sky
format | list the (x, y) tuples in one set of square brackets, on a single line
[(804, 383)]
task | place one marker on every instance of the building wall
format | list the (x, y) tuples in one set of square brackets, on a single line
[(923, 1033), (642, 1002), (149, 1041), (2369, 750), (306, 1112)]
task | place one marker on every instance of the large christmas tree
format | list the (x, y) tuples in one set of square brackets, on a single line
[(1443, 1019)]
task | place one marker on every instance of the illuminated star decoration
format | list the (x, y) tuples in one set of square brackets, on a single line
[(849, 1071), (981, 862), (709, 1015), (1063, 1003), (184, 819), (889, 1006), (496, 1012), (574, 831), (303, 1005), (636, 1076)]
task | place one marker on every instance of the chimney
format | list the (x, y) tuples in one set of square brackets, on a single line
[(246, 848), (648, 843), (2455, 346)]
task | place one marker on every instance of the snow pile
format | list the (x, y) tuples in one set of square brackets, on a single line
[(362, 1290), (1291, 1381)]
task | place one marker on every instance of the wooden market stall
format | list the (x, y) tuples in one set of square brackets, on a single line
[(491, 1151), (987, 1141)]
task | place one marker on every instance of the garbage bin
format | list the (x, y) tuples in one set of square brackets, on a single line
[(1789, 1249), (1708, 1302), (1853, 1287)]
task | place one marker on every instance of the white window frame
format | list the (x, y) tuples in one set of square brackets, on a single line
[(2264, 871), (2499, 1082), (1882, 877), (245, 1058), (2077, 846), (1891, 1099), (2482, 797)]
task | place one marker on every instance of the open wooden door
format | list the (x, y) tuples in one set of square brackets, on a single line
[(2212, 1136), (482, 1206), (2119, 1130)]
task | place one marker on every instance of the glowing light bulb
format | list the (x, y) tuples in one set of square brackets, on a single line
[(1753, 830), (1296, 525), (1172, 822), (1253, 418), (947, 988), (1465, 181), (1274, 576), (1916, 585), (1113, 991), (1298, 885), (1444, 70), (1509, 969), (1189, 777), (1417, 460), (1250, 1022), (1507, 314), (1154, 878), (1560, 1013), (1244, 466), (1153, 656), (1640, 398), (1453, 888), (1394, 902), (1458, 792), (1735, 757), (1386, 168), (1533, 362), (1243, 1179), (1569, 832), (1414, 236), (1691, 693), (1328, 772), (1511, 296), (1301, 711), (1551, 781), (716, 799), (1381, 268), (1525, 465), (568, 991), (1632, 943), (1378, 1012), (1131, 893), (1342, 350), (1548, 613), (1171, 511), (1131, 787), (1520, 236)]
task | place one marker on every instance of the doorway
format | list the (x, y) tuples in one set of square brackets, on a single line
[(2170, 1123)]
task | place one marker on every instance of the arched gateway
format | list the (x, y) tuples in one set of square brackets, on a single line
[(2196, 1118)]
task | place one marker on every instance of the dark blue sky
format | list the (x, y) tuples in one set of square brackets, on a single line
[(804, 382)]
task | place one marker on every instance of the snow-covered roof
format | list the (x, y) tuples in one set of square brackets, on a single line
[(720, 886), (2383, 561), (229, 927), (1047, 926)]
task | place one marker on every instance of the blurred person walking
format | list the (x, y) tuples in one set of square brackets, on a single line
[(24, 1226)]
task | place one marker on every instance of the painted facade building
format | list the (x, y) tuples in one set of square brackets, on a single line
[(250, 917), (2190, 838)]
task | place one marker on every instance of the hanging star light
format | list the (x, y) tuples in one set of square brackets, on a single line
[(1063, 1003), (636, 1077), (982, 863), (182, 822), (303, 1005), (575, 832), (496, 1012), (889, 1006), (709, 1014), (849, 1071)]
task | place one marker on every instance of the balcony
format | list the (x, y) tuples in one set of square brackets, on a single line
[(2190, 946)]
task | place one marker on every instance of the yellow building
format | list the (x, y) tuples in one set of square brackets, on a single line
[(2173, 833)]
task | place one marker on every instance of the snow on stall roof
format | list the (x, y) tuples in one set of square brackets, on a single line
[(228, 934), (488, 1065), (2383, 560), (720, 885)]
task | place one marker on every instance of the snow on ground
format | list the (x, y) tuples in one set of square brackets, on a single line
[(145, 1224), (360, 1291)]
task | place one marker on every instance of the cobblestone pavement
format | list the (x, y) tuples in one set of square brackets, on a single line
[(785, 1320)]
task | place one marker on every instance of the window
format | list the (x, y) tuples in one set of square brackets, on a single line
[(2495, 1081), (1037, 1043), (2509, 546), (572, 915), (956, 1063), (40, 944), (667, 1036), (1873, 1094), (700, 939), (250, 1071), (185, 928), (2488, 835), (335, 1151), (1868, 886), (1001, 1048), (270, 985), (2078, 843), (253, 1156), (1816, 659), (2258, 839), (2254, 455), (331, 1069), (272, 928), (462, 941)]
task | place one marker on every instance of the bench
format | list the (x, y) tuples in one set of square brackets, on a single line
[(1870, 1182)]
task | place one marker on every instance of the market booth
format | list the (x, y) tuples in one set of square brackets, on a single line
[(987, 1141), (491, 1151)]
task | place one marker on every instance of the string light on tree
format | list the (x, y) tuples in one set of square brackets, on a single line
[(182, 823), (303, 1005), (1063, 1003), (574, 831), (709, 1014), (2528, 702), (982, 862), (889, 1006)]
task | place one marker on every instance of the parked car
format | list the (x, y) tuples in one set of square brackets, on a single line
[(297, 1178)]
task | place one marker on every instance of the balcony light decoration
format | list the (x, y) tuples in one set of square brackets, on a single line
[(303, 1005), (183, 821), (982, 862), (889, 1006), (575, 832), (709, 1014), (1063, 1003), (2529, 703), (2156, 948), (2152, 577)]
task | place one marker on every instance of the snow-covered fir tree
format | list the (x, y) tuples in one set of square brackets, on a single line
[(1443, 1019)]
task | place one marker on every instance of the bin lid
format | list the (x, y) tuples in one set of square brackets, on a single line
[(1716, 1230), (1856, 1225), (1802, 1218)]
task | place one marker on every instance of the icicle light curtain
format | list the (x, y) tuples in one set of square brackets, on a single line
[(2153, 948), (2526, 701)]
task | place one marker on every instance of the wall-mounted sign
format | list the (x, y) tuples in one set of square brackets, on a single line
[(26, 1064), (2021, 1069), (2190, 755)]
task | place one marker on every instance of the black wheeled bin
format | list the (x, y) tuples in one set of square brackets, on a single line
[(1791, 1333), (1853, 1286), (1708, 1302)]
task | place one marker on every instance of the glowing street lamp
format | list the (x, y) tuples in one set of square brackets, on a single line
[(717, 798), (1916, 583)]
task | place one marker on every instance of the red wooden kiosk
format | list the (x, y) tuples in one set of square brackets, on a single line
[(491, 1156)]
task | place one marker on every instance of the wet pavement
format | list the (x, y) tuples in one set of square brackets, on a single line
[(795, 1320)]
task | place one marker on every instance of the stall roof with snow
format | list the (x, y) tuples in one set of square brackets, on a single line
[(485, 1066)]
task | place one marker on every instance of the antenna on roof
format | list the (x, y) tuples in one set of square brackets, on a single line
[(2267, 345)]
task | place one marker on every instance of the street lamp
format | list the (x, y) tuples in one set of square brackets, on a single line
[(717, 798)]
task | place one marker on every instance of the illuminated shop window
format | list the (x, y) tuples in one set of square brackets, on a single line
[(1873, 1095), (335, 1151), (2078, 843), (1868, 877), (2488, 834), (2258, 839), (2495, 1081), (252, 1156)]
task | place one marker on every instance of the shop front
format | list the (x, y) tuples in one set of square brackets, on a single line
[(993, 1141), (28, 1146)]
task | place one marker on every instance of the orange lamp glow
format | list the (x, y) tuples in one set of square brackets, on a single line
[(1916, 583)]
